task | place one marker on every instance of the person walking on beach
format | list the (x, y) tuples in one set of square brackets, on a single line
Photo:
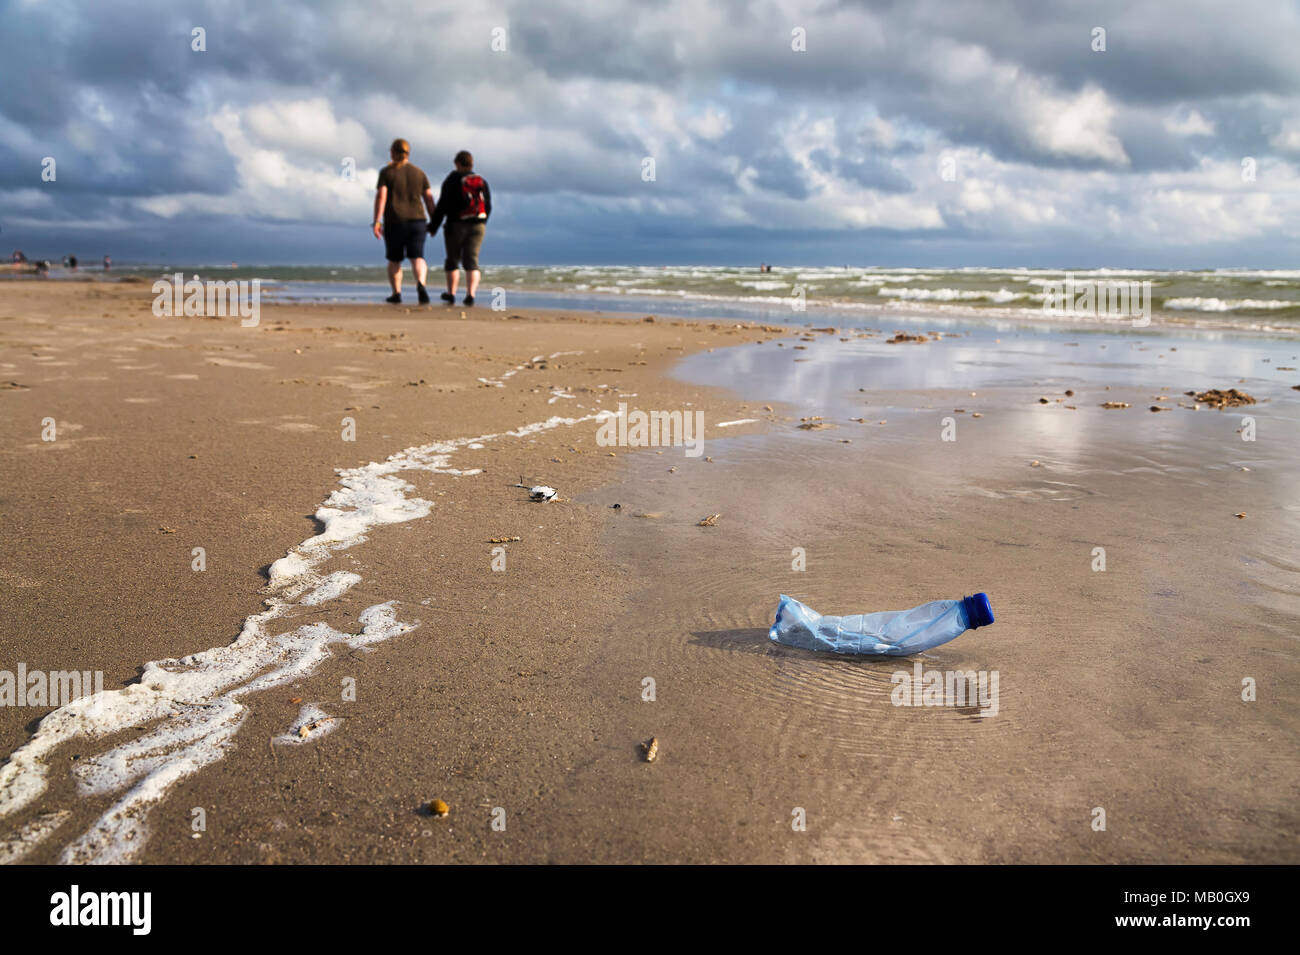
[(465, 202), (401, 197)]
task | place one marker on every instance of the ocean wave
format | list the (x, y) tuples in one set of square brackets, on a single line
[(764, 285), (1226, 305), (696, 296), (999, 297)]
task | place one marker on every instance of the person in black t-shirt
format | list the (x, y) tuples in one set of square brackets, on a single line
[(401, 197)]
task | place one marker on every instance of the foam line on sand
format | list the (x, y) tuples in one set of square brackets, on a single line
[(194, 706)]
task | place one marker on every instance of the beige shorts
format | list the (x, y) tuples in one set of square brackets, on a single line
[(463, 240)]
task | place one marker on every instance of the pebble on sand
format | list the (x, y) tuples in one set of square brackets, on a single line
[(1215, 398), (814, 424)]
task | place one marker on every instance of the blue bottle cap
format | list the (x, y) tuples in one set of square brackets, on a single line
[(979, 613)]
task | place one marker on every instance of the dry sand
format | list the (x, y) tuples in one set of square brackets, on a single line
[(182, 433), (523, 690)]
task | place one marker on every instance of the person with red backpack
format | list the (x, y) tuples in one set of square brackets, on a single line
[(465, 204)]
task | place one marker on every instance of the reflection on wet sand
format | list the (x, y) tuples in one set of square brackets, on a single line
[(1131, 602)]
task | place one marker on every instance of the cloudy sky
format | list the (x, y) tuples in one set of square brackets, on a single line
[(928, 132)]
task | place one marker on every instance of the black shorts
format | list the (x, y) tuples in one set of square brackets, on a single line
[(404, 239)]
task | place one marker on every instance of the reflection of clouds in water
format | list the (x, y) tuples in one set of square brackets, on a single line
[(1181, 444), (993, 354)]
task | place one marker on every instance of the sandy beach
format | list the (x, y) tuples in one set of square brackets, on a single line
[(528, 649)]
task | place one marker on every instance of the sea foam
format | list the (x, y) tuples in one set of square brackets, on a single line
[(192, 707)]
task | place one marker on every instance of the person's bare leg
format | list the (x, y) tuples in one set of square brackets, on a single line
[(453, 281), (421, 270), (473, 283), (395, 277)]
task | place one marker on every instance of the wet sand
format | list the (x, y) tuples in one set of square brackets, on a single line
[(1119, 689), (520, 694)]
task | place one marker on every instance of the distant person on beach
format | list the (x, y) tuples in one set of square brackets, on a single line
[(465, 202), (401, 197), (72, 262), (19, 257), (108, 262)]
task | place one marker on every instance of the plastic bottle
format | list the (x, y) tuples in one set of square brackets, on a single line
[(888, 632)]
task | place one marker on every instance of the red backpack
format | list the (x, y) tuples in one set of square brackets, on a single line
[(473, 203)]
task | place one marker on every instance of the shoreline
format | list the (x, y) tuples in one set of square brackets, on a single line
[(765, 310), (1161, 321)]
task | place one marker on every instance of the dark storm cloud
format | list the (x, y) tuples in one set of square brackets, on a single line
[(873, 173), (840, 141)]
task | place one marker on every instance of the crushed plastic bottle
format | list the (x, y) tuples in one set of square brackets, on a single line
[(888, 632)]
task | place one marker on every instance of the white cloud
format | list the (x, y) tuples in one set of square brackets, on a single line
[(1077, 127), (712, 124), (1287, 139), (1188, 123), (308, 127), (272, 184)]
